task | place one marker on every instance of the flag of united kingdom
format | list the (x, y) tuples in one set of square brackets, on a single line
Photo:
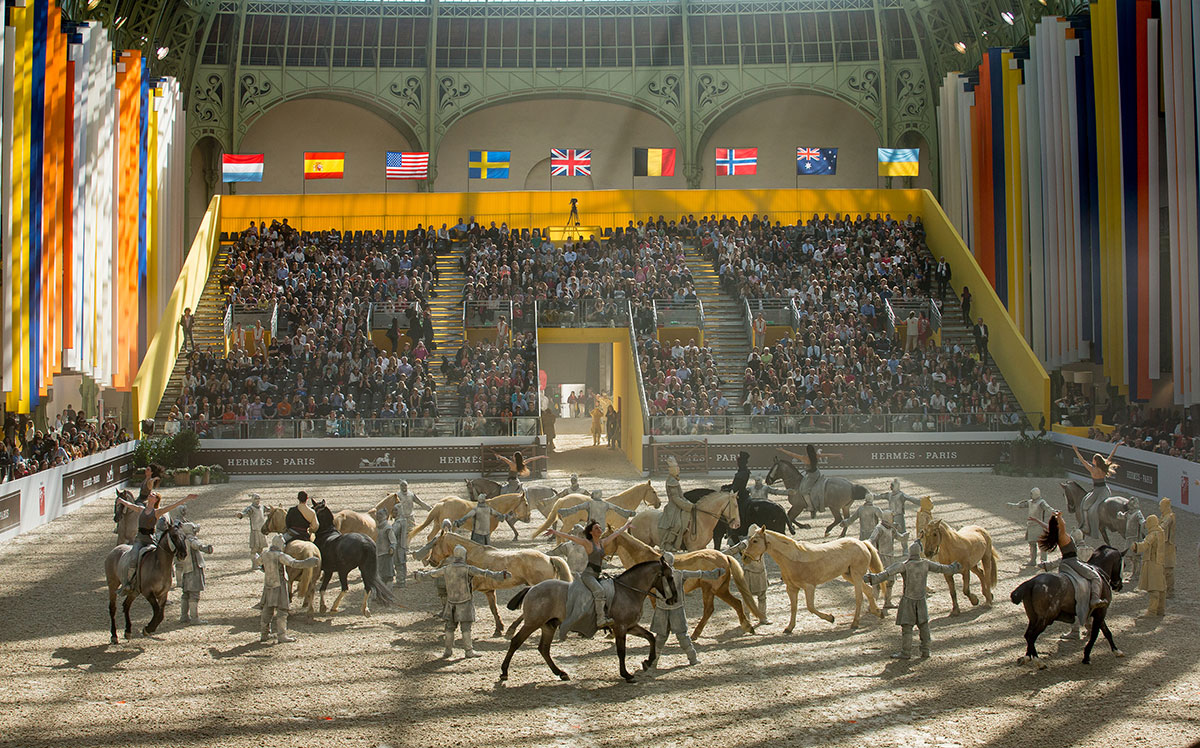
[(569, 162)]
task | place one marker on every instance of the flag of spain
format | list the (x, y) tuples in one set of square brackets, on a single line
[(324, 165)]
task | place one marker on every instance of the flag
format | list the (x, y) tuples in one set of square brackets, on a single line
[(653, 162), (246, 167), (736, 161), (822, 161), (321, 165), (569, 162), (401, 165), (488, 164), (898, 162)]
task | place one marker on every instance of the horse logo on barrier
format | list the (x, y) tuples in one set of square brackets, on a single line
[(384, 461)]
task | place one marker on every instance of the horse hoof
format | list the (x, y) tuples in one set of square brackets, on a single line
[(955, 611), (564, 676), (114, 640), (787, 631), (630, 679), (503, 677), (974, 600), (146, 632), (1087, 660), (1118, 653)]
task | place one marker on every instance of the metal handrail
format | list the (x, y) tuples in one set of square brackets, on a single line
[(748, 322), (637, 373), (684, 424)]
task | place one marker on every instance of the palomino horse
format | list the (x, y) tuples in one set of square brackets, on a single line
[(526, 567), (153, 580), (633, 552), (343, 553), (718, 505), (806, 565), (539, 497), (1051, 597), (761, 512), (300, 581), (629, 499), (1107, 513), (128, 523), (544, 606), (972, 548), (454, 508), (818, 489), (348, 521)]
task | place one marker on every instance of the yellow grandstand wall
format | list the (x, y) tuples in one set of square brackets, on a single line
[(1020, 367), (159, 361), (541, 209)]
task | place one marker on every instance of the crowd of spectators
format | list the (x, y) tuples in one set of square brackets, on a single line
[(1165, 431), (680, 379), (496, 383), (27, 450)]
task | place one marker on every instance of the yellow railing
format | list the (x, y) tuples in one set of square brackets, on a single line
[(159, 361), (1022, 370)]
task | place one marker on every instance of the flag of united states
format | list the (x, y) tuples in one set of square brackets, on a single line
[(407, 165)]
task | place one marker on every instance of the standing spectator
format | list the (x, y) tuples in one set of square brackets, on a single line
[(966, 305), (943, 278), (502, 331), (760, 331), (610, 419), (981, 341), (912, 329), (186, 323)]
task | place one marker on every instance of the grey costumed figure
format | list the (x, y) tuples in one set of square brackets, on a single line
[(385, 548), (597, 510), (275, 596), (897, 500), (258, 517), (190, 573), (868, 515), (459, 610), (670, 617), (1135, 532), (574, 554), (1037, 515), (756, 572), (913, 610), (673, 522), (481, 520), (884, 537)]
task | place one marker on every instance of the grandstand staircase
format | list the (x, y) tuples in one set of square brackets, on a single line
[(724, 326), (209, 331), (447, 313)]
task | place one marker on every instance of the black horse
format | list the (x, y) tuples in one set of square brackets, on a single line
[(766, 514), (343, 553), (1050, 597)]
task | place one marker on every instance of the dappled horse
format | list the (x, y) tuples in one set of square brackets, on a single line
[(344, 553), (544, 606), (1108, 513), (819, 490), (1050, 597), (153, 581)]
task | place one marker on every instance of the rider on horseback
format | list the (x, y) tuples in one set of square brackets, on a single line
[(301, 520), (673, 522), (1100, 468), (597, 548), (148, 517), (1056, 537)]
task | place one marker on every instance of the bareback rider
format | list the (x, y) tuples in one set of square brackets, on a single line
[(673, 522), (301, 520), (1056, 536), (1099, 469), (148, 517)]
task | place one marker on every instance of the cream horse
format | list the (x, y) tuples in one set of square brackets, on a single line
[(707, 511), (453, 508), (526, 567), (972, 548), (348, 521), (629, 499), (300, 550), (633, 552), (806, 565)]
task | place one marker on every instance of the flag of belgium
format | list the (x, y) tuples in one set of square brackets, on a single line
[(653, 162)]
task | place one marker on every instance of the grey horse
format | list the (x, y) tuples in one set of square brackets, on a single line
[(547, 604), (1107, 512), (153, 581), (817, 489)]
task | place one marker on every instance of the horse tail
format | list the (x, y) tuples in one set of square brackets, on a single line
[(367, 568), (991, 563), (857, 492), (876, 563), (561, 570), (428, 518), (553, 515), (1022, 591), (749, 601), (518, 598)]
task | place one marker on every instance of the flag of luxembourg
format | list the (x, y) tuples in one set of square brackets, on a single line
[(246, 167)]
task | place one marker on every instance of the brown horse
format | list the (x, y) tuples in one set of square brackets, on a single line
[(633, 552), (972, 548), (454, 508), (305, 579), (154, 579), (128, 523), (348, 521), (525, 567), (806, 565)]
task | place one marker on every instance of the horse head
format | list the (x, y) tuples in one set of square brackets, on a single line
[(443, 546), (730, 512), (1074, 493), (665, 583), (174, 536), (650, 496), (773, 474), (522, 508), (931, 537), (324, 515), (756, 545)]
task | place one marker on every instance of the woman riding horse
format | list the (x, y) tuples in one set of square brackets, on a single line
[(597, 549), (147, 523), (1100, 468), (519, 465), (1056, 537)]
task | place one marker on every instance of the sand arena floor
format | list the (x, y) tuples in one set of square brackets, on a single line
[(354, 681)]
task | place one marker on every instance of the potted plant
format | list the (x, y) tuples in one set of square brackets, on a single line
[(195, 475), (218, 474), (183, 476)]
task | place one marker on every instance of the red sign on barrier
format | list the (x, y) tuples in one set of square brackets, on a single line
[(42, 501)]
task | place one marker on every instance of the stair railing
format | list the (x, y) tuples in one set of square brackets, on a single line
[(637, 372), (890, 317), (228, 326), (748, 322), (935, 316), (274, 320)]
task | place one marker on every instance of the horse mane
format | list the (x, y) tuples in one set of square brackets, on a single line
[(636, 567)]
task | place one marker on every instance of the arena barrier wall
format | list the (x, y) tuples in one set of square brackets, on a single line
[(367, 458), (625, 373), (1148, 475), (1022, 370), (159, 361), (531, 209), (35, 500), (839, 452)]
